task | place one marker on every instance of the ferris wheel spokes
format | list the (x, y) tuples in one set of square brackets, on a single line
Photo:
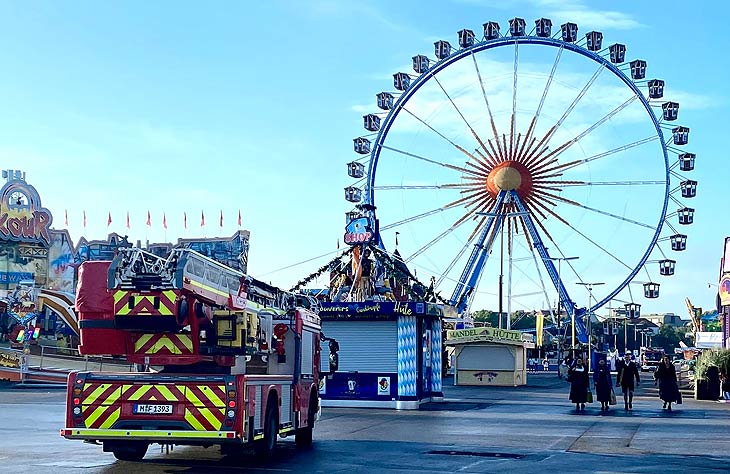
[(538, 111), (429, 160), (572, 164), (467, 282), (455, 145), (460, 253), (540, 163)]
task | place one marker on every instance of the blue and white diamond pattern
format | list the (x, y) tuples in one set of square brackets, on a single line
[(436, 355), (407, 356)]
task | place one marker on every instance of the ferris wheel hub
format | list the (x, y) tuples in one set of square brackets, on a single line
[(509, 176)]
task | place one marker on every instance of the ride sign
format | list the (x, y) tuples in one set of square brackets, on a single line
[(359, 231), (22, 218)]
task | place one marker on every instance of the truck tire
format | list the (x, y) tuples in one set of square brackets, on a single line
[(132, 451), (267, 446), (303, 436)]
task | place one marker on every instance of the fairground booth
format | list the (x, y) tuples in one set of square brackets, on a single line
[(489, 356), (390, 353)]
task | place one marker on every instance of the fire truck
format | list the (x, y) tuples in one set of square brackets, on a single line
[(220, 358)]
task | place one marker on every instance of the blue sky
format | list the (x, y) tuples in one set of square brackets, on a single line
[(180, 107)]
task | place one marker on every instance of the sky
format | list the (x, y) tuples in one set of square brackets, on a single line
[(182, 107)]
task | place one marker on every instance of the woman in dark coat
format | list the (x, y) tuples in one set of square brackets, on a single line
[(604, 384), (579, 385), (666, 377)]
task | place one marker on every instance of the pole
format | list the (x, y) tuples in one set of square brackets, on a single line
[(509, 280), (557, 321), (501, 272), (590, 345), (589, 287)]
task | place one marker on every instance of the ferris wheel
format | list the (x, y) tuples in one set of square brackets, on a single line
[(532, 160)]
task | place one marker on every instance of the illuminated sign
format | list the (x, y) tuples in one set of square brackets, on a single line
[(22, 218), (359, 231)]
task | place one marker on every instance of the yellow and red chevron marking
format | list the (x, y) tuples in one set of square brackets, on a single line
[(194, 395), (96, 393), (206, 395), (163, 344), (100, 416), (99, 404), (205, 419), (204, 404), (153, 392), (132, 303)]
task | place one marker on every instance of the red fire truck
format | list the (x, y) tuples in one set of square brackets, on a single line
[(220, 358)]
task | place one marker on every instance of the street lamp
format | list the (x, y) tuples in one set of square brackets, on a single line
[(572, 340), (590, 286)]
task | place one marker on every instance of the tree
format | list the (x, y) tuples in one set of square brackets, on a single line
[(668, 338), (486, 316)]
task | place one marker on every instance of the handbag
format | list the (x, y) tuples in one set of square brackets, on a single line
[(679, 398), (589, 396), (612, 400)]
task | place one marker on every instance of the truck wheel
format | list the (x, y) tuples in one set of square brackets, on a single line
[(267, 446), (132, 451), (303, 437)]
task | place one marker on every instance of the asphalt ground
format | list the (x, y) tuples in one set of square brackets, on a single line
[(533, 428)]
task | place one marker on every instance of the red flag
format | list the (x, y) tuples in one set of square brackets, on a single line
[(109, 219), (127, 219), (239, 218), (164, 220), (221, 219), (202, 219), (185, 219), (84, 219), (65, 222), (149, 219)]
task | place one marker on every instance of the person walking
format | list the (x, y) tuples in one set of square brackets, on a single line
[(666, 377), (579, 385), (627, 372), (603, 383)]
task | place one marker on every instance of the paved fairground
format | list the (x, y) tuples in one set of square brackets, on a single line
[(533, 428)]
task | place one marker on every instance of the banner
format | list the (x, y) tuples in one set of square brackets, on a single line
[(538, 327), (724, 289)]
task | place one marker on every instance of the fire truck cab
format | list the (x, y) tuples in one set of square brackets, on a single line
[(222, 359)]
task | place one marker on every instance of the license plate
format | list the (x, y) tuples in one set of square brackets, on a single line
[(148, 409)]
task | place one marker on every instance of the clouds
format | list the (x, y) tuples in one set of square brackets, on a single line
[(576, 11)]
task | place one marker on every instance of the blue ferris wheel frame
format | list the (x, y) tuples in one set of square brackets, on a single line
[(369, 198)]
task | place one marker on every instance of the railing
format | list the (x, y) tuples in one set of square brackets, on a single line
[(70, 358)]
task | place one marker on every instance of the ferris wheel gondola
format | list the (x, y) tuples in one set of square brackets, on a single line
[(543, 142)]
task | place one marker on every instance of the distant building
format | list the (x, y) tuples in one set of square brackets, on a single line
[(665, 318)]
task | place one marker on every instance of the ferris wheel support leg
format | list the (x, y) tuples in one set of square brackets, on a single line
[(565, 301), (463, 293)]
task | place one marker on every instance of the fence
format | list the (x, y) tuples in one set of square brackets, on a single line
[(52, 357)]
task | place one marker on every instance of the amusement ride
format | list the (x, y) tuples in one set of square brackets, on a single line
[(514, 149)]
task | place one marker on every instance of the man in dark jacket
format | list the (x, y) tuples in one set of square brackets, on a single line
[(627, 372)]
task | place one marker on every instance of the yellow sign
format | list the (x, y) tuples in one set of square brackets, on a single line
[(9, 359), (484, 334)]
